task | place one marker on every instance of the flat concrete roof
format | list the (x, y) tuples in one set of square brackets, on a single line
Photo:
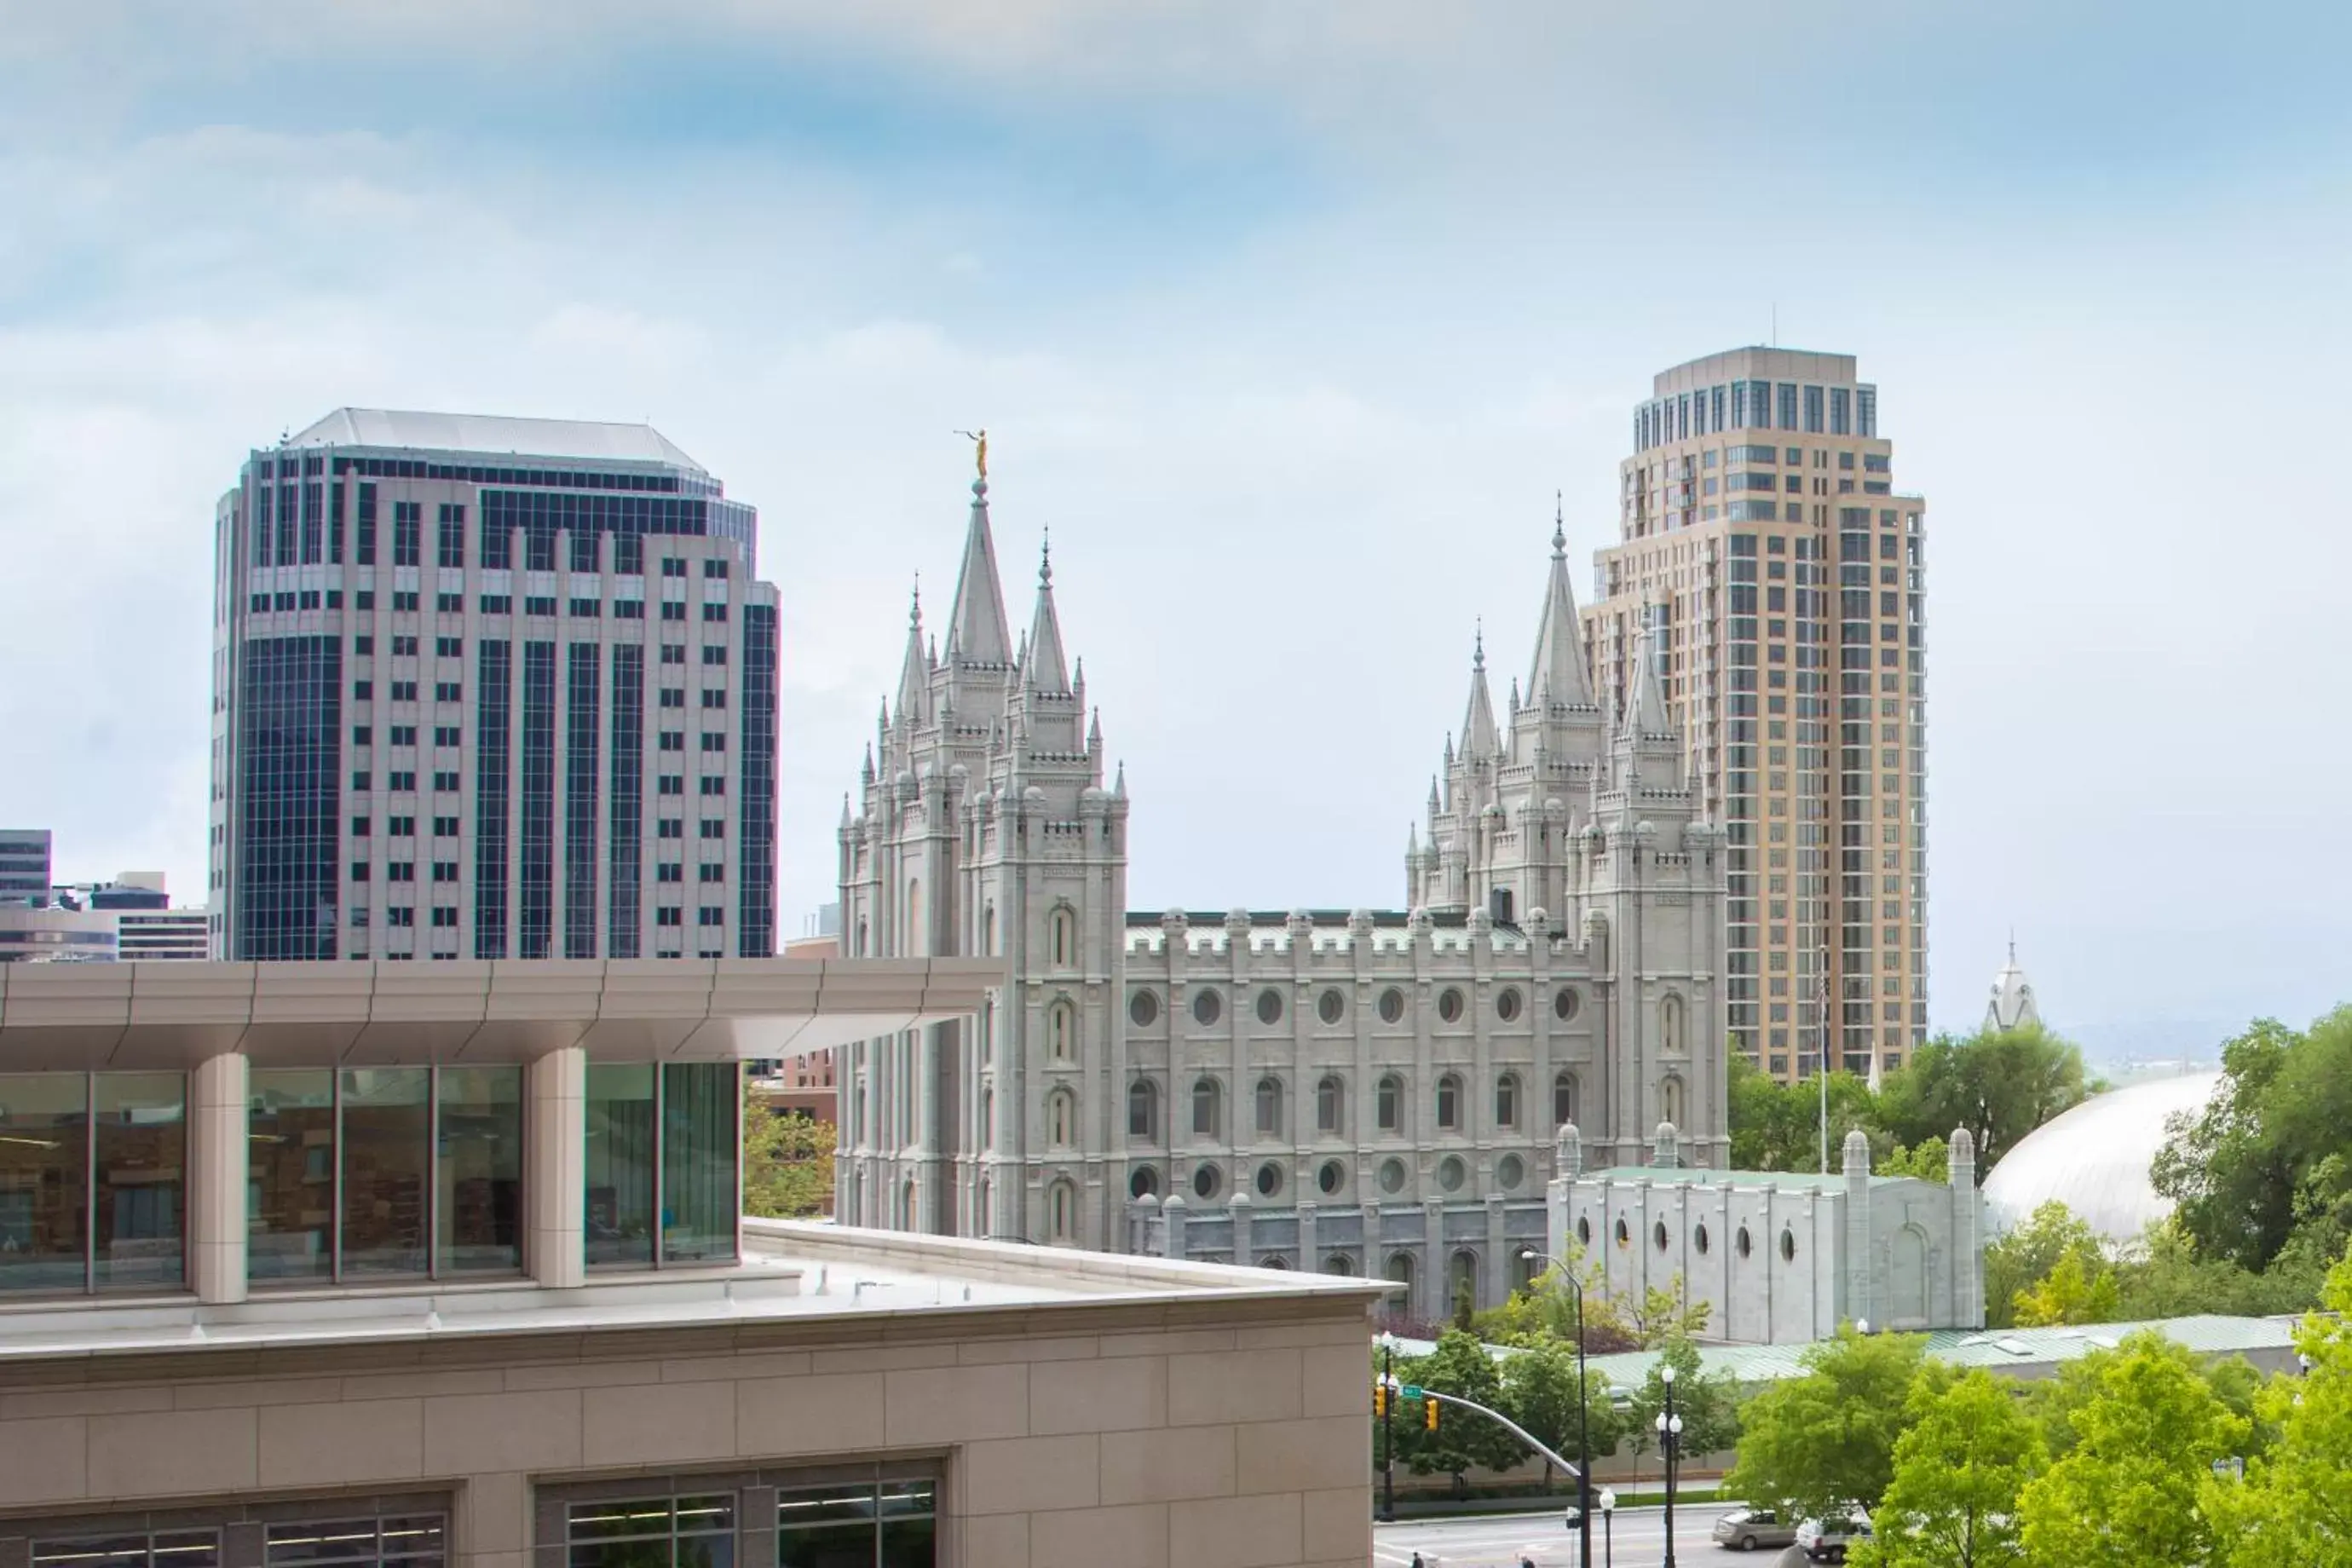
[(823, 1278), (88, 1016)]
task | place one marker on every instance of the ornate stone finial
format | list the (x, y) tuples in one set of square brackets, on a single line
[(1857, 1154), (1558, 529), (1665, 1147), (1568, 1149), (1046, 561), (915, 605), (1961, 1151), (1478, 645)]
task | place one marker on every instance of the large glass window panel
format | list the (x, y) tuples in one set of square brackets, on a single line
[(826, 1527), (162, 1548), (910, 1527), (619, 1215), (414, 1541), (480, 1179), (44, 1181), (700, 1101), (653, 1533), (291, 1173), (387, 1153), (140, 1122)]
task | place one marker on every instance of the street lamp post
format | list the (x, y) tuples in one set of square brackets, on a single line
[(1670, 1432), (1608, 1534), (1583, 1416), (1387, 1428)]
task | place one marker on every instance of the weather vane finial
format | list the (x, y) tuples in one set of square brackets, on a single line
[(979, 438)]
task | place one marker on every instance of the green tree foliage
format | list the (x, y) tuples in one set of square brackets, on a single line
[(787, 1160), (2164, 1278), (2127, 1493), (1999, 1084), (1460, 1365), (2294, 1504), (1928, 1160), (2081, 1289), (1539, 1393), (1813, 1444), (2261, 1172), (2022, 1260), (1776, 1126), (1967, 1451), (1710, 1406)]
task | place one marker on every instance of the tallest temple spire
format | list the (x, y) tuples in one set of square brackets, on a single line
[(976, 628)]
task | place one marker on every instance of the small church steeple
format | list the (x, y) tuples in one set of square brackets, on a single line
[(1479, 737), (915, 672), (1046, 669)]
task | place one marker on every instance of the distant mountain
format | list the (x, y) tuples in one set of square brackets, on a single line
[(2110, 1045)]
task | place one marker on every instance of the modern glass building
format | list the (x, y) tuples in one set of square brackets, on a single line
[(24, 867), (1781, 578), (490, 688)]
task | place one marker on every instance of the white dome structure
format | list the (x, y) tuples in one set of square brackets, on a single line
[(2094, 1159)]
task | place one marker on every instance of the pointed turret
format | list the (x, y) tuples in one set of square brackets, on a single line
[(1479, 738), (1094, 734), (977, 627), (1559, 674), (1046, 669), (1645, 700), (915, 673)]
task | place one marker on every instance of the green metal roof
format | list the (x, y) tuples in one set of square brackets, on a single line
[(1674, 1175)]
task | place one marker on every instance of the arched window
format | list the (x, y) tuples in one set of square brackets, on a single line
[(1449, 1103), (1269, 1108), (1062, 936), (1670, 1101), (1401, 1273), (1670, 1028), (1465, 1277), (1061, 1030), (1506, 1102), (1563, 1098), (1329, 1098), (1390, 1100), (1062, 1212), (1061, 1114), (1207, 1116), (1143, 1184), (1143, 1109), (1338, 1263), (1523, 1269)]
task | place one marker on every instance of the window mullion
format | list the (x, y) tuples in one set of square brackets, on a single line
[(661, 1236), (89, 1184), (335, 1187)]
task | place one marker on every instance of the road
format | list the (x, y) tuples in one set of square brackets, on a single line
[(1503, 1541)]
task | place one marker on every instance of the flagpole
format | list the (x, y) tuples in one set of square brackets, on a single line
[(1822, 1067)]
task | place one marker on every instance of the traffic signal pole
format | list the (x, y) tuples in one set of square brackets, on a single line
[(1496, 1417)]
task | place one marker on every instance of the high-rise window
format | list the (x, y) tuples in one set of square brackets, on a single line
[(451, 551), (661, 1143), (1787, 399), (1841, 415), (407, 532), (1813, 410)]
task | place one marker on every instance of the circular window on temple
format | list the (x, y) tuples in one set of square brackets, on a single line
[(1624, 1236), (1788, 1247), (1143, 1184), (1449, 1005), (1506, 1005), (1740, 1243), (1510, 1173), (1563, 1003), (1392, 1176), (1143, 1009), (1269, 1006), (1658, 1234), (1205, 1181), (1699, 1237), (1207, 1007), (1583, 1231), (1330, 1007), (1391, 1006), (1269, 1179), (1331, 1177), (1449, 1174)]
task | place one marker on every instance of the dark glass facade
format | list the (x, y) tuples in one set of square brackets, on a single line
[(289, 800), (538, 910), (493, 678), (543, 514), (580, 759), (755, 934), (629, 804)]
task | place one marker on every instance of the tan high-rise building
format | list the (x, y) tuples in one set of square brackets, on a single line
[(1763, 541)]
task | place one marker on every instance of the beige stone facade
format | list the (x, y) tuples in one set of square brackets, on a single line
[(1765, 551), (1098, 1410)]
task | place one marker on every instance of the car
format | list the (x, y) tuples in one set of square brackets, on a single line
[(1825, 1539), (1750, 1528)]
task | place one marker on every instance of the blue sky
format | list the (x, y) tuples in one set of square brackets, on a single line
[(1288, 321)]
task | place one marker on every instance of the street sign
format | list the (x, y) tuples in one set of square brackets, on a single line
[(1410, 1391)]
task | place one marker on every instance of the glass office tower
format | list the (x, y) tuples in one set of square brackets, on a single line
[(490, 688)]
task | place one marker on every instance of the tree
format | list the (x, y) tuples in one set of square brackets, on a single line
[(1968, 1448), (2296, 1503), (2163, 1276), (2128, 1492), (1825, 1440), (2080, 1290), (1710, 1406), (787, 1160), (1776, 1126), (1928, 1160), (1999, 1084), (1539, 1393), (2022, 1259), (1461, 1366), (2262, 1164)]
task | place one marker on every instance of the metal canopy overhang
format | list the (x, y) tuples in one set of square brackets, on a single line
[(168, 1014)]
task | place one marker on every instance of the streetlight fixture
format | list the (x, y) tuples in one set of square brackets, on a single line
[(1670, 1433), (1583, 1413), (1608, 1535), (1387, 1428)]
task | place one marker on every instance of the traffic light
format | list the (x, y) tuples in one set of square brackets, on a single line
[(1428, 1416), (1379, 1399)]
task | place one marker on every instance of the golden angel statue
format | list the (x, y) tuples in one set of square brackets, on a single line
[(980, 444)]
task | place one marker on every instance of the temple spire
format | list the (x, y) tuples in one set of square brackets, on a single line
[(1046, 670), (915, 672), (977, 627), (1645, 701), (1479, 738), (1559, 674)]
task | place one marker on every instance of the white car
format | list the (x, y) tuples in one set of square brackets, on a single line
[(1825, 1539)]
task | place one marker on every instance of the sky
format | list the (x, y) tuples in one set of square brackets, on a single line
[(1289, 322)]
